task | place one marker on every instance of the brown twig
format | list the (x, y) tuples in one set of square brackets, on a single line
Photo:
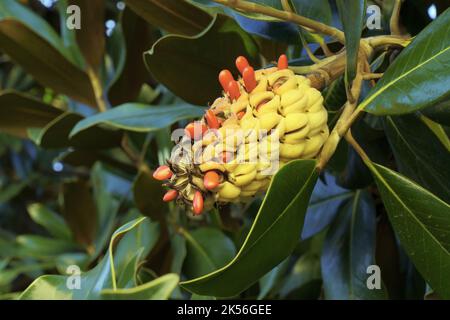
[(319, 27)]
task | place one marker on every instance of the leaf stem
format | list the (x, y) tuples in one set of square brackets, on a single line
[(351, 140), (251, 7), (394, 23), (98, 89)]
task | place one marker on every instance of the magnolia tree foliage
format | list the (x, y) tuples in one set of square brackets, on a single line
[(101, 197)]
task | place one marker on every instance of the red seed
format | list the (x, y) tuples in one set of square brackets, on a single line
[(249, 78), (195, 130), (162, 173), (211, 119), (211, 180), (197, 203), (225, 77), (240, 114), (241, 64), (170, 195), (282, 62), (233, 90)]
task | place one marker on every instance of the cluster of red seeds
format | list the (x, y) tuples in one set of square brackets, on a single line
[(197, 129)]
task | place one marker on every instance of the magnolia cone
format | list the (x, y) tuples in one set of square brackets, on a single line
[(223, 166)]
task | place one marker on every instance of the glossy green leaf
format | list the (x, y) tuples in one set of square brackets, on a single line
[(305, 280), (153, 207), (319, 10), (80, 211), (189, 66), (68, 36), (14, 10), (419, 154), (438, 130), (139, 117), (272, 279), (51, 221), (174, 16), (158, 289), (107, 206), (277, 225), (208, 249), (418, 77), (132, 75), (42, 247), (439, 113), (348, 251), (91, 37), (324, 204), (422, 223), (44, 62), (19, 112), (55, 135), (352, 15), (94, 281)]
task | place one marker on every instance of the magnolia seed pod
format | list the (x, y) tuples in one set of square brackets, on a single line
[(263, 120)]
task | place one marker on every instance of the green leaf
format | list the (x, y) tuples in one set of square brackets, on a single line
[(19, 112), (68, 36), (319, 10), (352, 15), (349, 249), (80, 211), (277, 225), (42, 247), (44, 62), (14, 10), (419, 154), (103, 275), (91, 37), (208, 249), (422, 223), (272, 279), (106, 204), (139, 117), (51, 221), (133, 75), (189, 66), (419, 76), (439, 113), (325, 202), (55, 135), (158, 289), (153, 207), (304, 281), (174, 16)]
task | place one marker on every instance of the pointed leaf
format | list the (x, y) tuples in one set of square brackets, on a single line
[(349, 249), (19, 112), (418, 77), (277, 226), (139, 117), (174, 16), (419, 154), (189, 66), (50, 220), (422, 223), (208, 249), (91, 37), (352, 15), (44, 62)]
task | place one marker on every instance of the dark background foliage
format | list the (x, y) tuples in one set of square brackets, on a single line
[(85, 116)]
